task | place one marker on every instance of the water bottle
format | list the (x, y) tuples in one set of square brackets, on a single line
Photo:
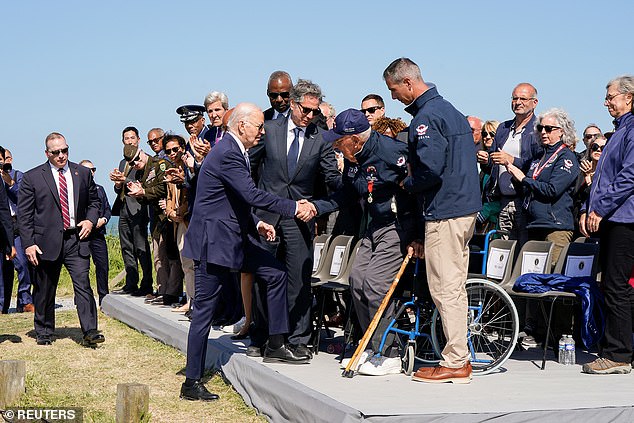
[(562, 350), (570, 351)]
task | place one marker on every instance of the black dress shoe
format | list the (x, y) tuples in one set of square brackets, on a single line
[(140, 292), (123, 291), (254, 351), (44, 340), (93, 337), (302, 350), (196, 392), (283, 354)]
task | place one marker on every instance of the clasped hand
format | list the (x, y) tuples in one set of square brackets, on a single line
[(305, 210)]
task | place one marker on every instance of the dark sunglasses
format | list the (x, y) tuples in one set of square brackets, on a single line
[(56, 152), (547, 128), (93, 169), (152, 141), (307, 110), (133, 161), (172, 150), (596, 147), (370, 110), (487, 134), (285, 95)]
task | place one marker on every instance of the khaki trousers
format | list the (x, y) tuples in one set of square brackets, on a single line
[(187, 263), (447, 261)]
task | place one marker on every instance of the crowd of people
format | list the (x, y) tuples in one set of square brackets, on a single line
[(233, 207)]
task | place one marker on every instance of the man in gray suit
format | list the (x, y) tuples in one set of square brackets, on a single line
[(290, 160)]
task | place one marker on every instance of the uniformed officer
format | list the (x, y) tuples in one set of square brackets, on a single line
[(374, 169), (149, 190)]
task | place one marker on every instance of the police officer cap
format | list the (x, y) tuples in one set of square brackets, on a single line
[(348, 122), (190, 112), (129, 152)]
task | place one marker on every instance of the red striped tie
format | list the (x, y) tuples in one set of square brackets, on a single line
[(63, 198)]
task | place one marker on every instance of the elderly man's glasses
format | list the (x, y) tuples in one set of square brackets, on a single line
[(154, 140), (172, 150), (590, 136), (273, 95), (57, 152), (258, 127), (370, 110), (522, 99), (547, 128), (307, 110), (596, 147), (612, 97)]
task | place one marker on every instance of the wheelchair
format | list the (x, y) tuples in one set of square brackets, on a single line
[(492, 327)]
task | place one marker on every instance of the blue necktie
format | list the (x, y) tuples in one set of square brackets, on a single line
[(293, 153)]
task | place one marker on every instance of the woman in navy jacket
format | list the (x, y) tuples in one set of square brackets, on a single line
[(550, 182)]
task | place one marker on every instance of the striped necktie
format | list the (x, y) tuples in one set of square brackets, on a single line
[(63, 198)]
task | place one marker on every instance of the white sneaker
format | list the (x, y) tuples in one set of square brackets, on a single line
[(381, 366), (234, 328), (365, 355)]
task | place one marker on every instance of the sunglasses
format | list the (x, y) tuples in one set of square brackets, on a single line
[(487, 134), (370, 110), (308, 110), (57, 152), (93, 169), (172, 150), (596, 147), (285, 95), (155, 140), (590, 136), (547, 128), (133, 161)]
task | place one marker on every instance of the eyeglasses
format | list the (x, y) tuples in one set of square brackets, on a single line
[(308, 110), (93, 169), (590, 136), (487, 134), (370, 110), (596, 147), (272, 95), (612, 97), (133, 161), (258, 127), (172, 150), (155, 140), (522, 99), (547, 128), (57, 152)]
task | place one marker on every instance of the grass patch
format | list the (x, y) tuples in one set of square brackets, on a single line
[(66, 374)]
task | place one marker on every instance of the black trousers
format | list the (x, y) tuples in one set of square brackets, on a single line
[(99, 253), (617, 262), (45, 286), (133, 237)]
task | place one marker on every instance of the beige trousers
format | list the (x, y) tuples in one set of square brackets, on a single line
[(447, 262), (187, 263)]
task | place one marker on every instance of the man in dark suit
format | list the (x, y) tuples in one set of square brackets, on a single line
[(220, 241), (11, 179), (133, 222), (278, 91), (58, 207), (98, 245), (290, 161)]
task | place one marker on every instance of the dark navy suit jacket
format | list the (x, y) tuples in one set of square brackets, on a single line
[(222, 217), (40, 213)]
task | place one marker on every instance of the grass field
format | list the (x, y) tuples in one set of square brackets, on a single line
[(69, 375)]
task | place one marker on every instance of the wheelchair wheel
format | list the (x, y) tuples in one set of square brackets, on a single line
[(493, 326), (409, 358)]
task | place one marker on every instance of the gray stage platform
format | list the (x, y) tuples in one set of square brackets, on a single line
[(317, 393)]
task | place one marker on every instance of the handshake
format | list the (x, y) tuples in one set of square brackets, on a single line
[(305, 210)]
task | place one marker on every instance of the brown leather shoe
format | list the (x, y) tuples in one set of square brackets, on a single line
[(28, 308), (440, 374)]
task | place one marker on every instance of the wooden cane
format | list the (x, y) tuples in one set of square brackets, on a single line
[(363, 343)]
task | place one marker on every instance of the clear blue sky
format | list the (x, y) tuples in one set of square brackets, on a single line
[(88, 69)]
